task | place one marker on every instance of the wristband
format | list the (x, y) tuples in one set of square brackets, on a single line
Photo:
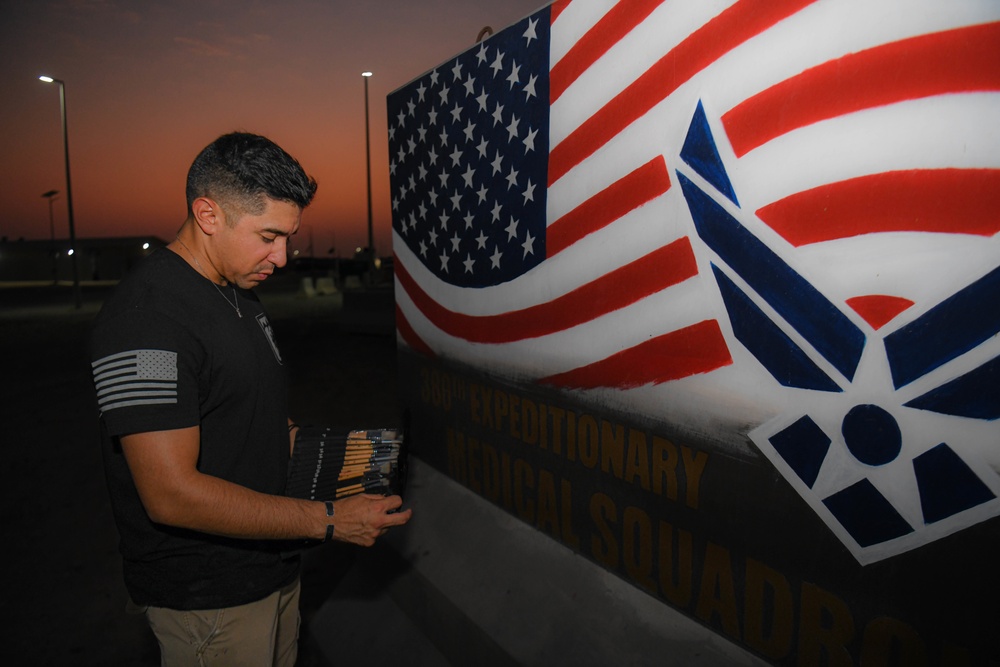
[(291, 426), (329, 527)]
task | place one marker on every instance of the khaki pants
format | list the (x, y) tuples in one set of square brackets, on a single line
[(260, 634)]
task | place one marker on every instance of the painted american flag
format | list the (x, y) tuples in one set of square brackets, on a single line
[(771, 212), (135, 377), (533, 235)]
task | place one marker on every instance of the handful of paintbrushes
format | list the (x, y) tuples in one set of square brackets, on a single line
[(328, 464)]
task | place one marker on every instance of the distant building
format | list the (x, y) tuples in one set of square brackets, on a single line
[(97, 260)]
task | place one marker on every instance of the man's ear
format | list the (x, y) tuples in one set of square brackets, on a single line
[(208, 215)]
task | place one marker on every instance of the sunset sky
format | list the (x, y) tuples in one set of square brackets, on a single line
[(150, 83)]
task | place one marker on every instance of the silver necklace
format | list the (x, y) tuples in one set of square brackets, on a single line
[(235, 303)]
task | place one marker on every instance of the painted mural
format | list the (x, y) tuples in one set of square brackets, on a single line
[(763, 233)]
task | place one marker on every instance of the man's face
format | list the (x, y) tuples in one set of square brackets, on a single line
[(248, 249)]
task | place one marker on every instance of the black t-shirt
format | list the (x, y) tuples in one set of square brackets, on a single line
[(168, 352)]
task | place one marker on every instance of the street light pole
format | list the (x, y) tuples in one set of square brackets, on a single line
[(368, 172), (69, 188), (51, 195)]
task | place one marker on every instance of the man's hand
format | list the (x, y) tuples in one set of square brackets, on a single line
[(363, 518)]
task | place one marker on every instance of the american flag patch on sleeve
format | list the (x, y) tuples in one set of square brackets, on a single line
[(137, 377)]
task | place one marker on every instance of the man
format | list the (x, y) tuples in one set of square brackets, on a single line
[(195, 423)]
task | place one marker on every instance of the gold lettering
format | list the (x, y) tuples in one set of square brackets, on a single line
[(543, 427), (637, 547), (767, 590), (569, 538), (500, 407), (718, 592), (557, 421), (825, 627), (676, 574), (612, 448), (637, 459), (890, 642), (491, 472), (588, 440), (474, 403), (547, 517), (602, 510), (487, 406), (664, 468), (694, 466), (515, 416)]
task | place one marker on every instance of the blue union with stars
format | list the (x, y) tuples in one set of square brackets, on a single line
[(468, 159)]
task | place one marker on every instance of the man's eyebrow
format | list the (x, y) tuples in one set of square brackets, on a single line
[(279, 232)]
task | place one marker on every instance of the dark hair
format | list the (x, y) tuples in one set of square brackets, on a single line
[(240, 169)]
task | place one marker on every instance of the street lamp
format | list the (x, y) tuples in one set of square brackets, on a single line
[(368, 170), (51, 195), (69, 189)]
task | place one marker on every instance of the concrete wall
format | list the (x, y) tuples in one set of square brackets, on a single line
[(714, 303)]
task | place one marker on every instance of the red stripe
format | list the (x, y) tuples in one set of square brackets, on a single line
[(666, 266), (878, 309), (961, 60), (411, 337), (556, 9), (699, 348), (604, 34), (624, 195), (725, 32), (958, 201)]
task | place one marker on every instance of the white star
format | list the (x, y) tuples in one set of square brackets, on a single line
[(482, 193), (456, 113), (456, 200), (422, 133), (432, 117), (481, 240), (469, 171), (529, 90), (444, 222), (421, 89), (433, 237), (411, 145), (395, 203), (468, 263), (512, 229), (402, 192), (411, 107), (433, 196), (443, 93), (512, 178), (413, 220), (444, 261), (468, 220), (482, 147), (392, 132), (482, 99), (392, 168), (530, 32), (496, 211), (432, 156), (498, 114), (434, 78), (455, 240), (528, 245), (529, 141), (444, 178), (512, 128), (497, 64), (457, 70), (402, 118), (470, 86), (529, 194), (413, 183), (496, 163), (481, 56), (423, 250), (423, 211), (495, 257), (514, 71), (469, 129), (444, 137), (456, 155), (423, 172)]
